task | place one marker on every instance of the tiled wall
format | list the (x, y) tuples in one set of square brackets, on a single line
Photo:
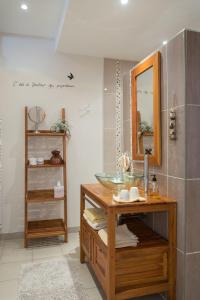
[(171, 174), (192, 203), (114, 70), (179, 174)]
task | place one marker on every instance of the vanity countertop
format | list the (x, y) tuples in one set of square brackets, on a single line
[(104, 197)]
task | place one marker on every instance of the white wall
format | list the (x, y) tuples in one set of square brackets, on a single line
[(28, 60)]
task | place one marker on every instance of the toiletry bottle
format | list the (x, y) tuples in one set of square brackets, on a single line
[(154, 185), (58, 190)]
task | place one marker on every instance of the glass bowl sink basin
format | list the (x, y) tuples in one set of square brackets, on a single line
[(118, 181)]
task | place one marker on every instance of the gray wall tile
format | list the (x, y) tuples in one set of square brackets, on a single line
[(176, 190), (176, 149), (193, 67), (176, 70), (192, 142), (192, 281), (109, 110), (109, 168), (109, 107), (162, 184), (126, 97), (164, 143), (163, 78), (126, 65), (193, 215), (160, 224), (127, 136), (109, 146), (180, 282), (109, 75)]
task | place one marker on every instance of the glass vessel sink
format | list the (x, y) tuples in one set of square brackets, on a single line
[(118, 181)]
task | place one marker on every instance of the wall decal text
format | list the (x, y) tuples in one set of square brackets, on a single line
[(33, 84)]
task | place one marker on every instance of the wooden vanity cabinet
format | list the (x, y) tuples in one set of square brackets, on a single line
[(87, 242), (130, 272)]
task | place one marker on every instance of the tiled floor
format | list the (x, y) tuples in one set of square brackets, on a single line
[(13, 255)]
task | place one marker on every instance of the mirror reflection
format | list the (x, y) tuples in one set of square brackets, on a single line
[(145, 111)]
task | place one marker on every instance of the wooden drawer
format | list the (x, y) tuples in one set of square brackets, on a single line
[(141, 266), (99, 262), (86, 240)]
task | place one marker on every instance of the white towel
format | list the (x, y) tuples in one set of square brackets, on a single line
[(96, 226), (123, 237)]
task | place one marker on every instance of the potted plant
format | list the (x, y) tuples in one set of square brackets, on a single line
[(61, 126)]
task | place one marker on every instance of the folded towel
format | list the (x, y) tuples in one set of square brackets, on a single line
[(123, 237), (96, 226), (95, 214)]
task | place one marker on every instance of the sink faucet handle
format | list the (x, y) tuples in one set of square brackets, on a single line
[(148, 151)]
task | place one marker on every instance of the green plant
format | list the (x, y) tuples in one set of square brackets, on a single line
[(144, 127), (62, 126)]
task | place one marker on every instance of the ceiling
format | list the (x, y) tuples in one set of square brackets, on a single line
[(42, 19), (101, 28)]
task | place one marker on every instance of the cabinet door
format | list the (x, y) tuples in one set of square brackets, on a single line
[(99, 262), (86, 241)]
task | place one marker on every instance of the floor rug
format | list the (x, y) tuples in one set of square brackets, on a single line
[(50, 280)]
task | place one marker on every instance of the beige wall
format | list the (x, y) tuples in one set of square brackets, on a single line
[(28, 60)]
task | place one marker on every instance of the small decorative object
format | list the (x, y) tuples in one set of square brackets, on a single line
[(33, 161), (172, 124), (40, 161), (36, 115), (124, 162), (61, 126), (86, 109), (56, 158), (58, 190)]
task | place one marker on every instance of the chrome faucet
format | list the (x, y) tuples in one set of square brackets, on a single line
[(146, 169)]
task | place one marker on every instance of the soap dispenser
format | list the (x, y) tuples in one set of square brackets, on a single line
[(58, 190), (154, 185)]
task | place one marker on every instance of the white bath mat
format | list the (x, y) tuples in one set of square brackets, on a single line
[(50, 280)]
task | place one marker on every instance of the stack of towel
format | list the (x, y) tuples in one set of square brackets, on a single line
[(123, 237), (95, 217)]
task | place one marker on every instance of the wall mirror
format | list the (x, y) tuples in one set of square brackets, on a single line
[(145, 78)]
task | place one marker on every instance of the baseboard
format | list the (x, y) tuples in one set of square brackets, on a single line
[(73, 229), (11, 236), (19, 235)]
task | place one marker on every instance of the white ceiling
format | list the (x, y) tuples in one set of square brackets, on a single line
[(42, 19), (101, 28), (106, 28)]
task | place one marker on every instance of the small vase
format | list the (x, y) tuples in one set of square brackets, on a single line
[(56, 158)]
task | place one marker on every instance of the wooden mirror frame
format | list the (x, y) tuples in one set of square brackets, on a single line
[(152, 61)]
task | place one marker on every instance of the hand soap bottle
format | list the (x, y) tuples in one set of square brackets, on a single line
[(154, 186), (58, 190)]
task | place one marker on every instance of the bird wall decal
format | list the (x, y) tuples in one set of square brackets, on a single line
[(70, 76)]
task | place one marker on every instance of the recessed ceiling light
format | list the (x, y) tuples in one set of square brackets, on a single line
[(24, 6), (124, 2), (105, 89), (164, 42)]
